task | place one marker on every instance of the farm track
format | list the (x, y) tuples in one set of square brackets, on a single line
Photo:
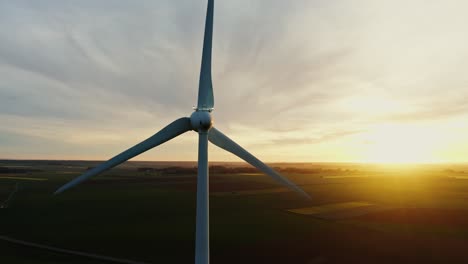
[(69, 252)]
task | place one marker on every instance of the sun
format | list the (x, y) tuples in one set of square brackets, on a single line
[(400, 144)]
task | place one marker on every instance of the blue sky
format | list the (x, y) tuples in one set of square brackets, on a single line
[(293, 80)]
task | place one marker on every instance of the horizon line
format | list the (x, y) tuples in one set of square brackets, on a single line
[(224, 161)]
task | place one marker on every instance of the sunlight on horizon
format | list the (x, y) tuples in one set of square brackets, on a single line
[(401, 144), (298, 81)]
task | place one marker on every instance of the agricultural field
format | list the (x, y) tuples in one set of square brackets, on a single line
[(145, 212)]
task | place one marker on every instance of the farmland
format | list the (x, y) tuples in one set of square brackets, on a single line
[(145, 211)]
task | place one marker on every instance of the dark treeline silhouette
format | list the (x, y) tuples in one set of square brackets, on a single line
[(4, 170), (454, 171), (234, 170)]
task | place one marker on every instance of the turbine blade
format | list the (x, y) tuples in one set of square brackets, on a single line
[(174, 129), (205, 88), (222, 141)]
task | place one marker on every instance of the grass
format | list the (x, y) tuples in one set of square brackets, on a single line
[(329, 208), (21, 178), (152, 218)]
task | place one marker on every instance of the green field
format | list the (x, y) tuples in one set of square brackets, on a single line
[(149, 216)]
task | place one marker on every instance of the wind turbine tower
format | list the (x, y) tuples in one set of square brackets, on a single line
[(200, 121)]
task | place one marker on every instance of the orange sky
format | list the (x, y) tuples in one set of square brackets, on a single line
[(357, 81)]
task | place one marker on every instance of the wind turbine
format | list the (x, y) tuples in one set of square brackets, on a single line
[(200, 121)]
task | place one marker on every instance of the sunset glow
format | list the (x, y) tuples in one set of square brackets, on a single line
[(402, 144), (324, 81)]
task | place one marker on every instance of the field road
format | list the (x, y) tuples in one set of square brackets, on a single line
[(70, 252)]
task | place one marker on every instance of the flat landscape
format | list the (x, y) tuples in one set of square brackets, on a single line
[(145, 212)]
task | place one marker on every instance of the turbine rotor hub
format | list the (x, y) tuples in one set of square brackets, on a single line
[(201, 120)]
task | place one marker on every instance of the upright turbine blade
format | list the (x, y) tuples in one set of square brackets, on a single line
[(174, 129), (202, 233), (205, 89), (222, 141)]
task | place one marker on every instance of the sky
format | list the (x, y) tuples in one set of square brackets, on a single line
[(294, 81)]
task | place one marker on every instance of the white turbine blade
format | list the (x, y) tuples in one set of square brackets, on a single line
[(174, 129), (202, 233), (205, 89), (222, 141)]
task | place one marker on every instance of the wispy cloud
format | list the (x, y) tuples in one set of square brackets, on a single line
[(104, 74)]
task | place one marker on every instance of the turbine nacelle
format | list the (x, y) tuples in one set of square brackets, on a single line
[(201, 120)]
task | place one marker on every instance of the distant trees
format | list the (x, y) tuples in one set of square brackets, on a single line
[(453, 171), (218, 169), (169, 170), (4, 170)]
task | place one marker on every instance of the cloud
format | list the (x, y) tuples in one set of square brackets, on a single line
[(314, 140), (95, 71), (436, 109)]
